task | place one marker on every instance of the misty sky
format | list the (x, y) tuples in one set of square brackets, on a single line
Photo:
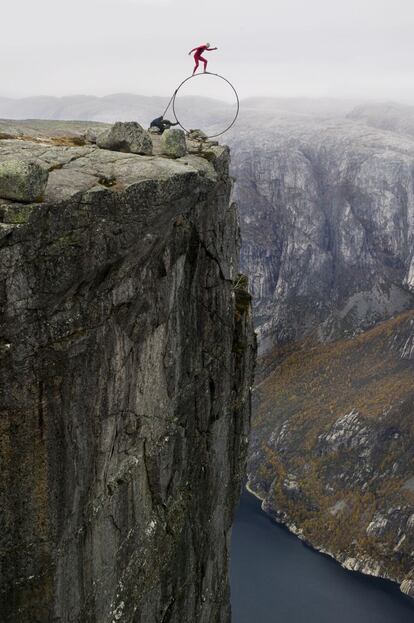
[(353, 48)]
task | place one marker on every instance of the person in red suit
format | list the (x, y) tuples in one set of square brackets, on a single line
[(197, 56)]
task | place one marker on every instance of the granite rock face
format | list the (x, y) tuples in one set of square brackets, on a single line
[(126, 359), (22, 180), (128, 137), (328, 226)]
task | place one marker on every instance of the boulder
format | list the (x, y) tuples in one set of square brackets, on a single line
[(22, 180), (127, 137), (197, 135), (173, 143), (90, 136)]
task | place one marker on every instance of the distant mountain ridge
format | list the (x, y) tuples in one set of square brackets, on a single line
[(116, 106), (391, 116), (81, 107), (111, 108)]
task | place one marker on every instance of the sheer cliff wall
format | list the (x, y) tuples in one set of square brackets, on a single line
[(126, 358)]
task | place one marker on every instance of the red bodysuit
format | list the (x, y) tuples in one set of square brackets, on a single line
[(197, 56)]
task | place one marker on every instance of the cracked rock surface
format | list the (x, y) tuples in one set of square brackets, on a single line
[(126, 360)]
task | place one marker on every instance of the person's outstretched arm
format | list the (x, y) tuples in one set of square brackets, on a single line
[(193, 50), (211, 49)]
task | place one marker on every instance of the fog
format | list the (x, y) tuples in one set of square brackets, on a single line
[(316, 48)]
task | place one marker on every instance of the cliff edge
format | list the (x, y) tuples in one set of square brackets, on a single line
[(126, 360)]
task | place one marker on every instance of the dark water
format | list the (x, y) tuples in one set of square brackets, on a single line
[(275, 578)]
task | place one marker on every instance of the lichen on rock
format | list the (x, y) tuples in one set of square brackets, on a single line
[(173, 143), (22, 180)]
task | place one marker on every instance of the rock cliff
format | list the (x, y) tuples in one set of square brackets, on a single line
[(328, 226), (126, 357), (327, 212)]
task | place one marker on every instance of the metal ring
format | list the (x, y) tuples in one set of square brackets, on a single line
[(222, 78)]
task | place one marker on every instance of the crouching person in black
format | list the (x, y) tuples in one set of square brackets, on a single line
[(162, 124)]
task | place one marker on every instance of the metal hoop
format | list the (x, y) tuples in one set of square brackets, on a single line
[(209, 74)]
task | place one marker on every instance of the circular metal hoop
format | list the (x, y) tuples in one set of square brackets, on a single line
[(207, 73)]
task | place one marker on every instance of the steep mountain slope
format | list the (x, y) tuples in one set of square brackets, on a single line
[(332, 446), (328, 226), (327, 214)]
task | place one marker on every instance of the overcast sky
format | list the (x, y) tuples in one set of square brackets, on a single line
[(348, 48)]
